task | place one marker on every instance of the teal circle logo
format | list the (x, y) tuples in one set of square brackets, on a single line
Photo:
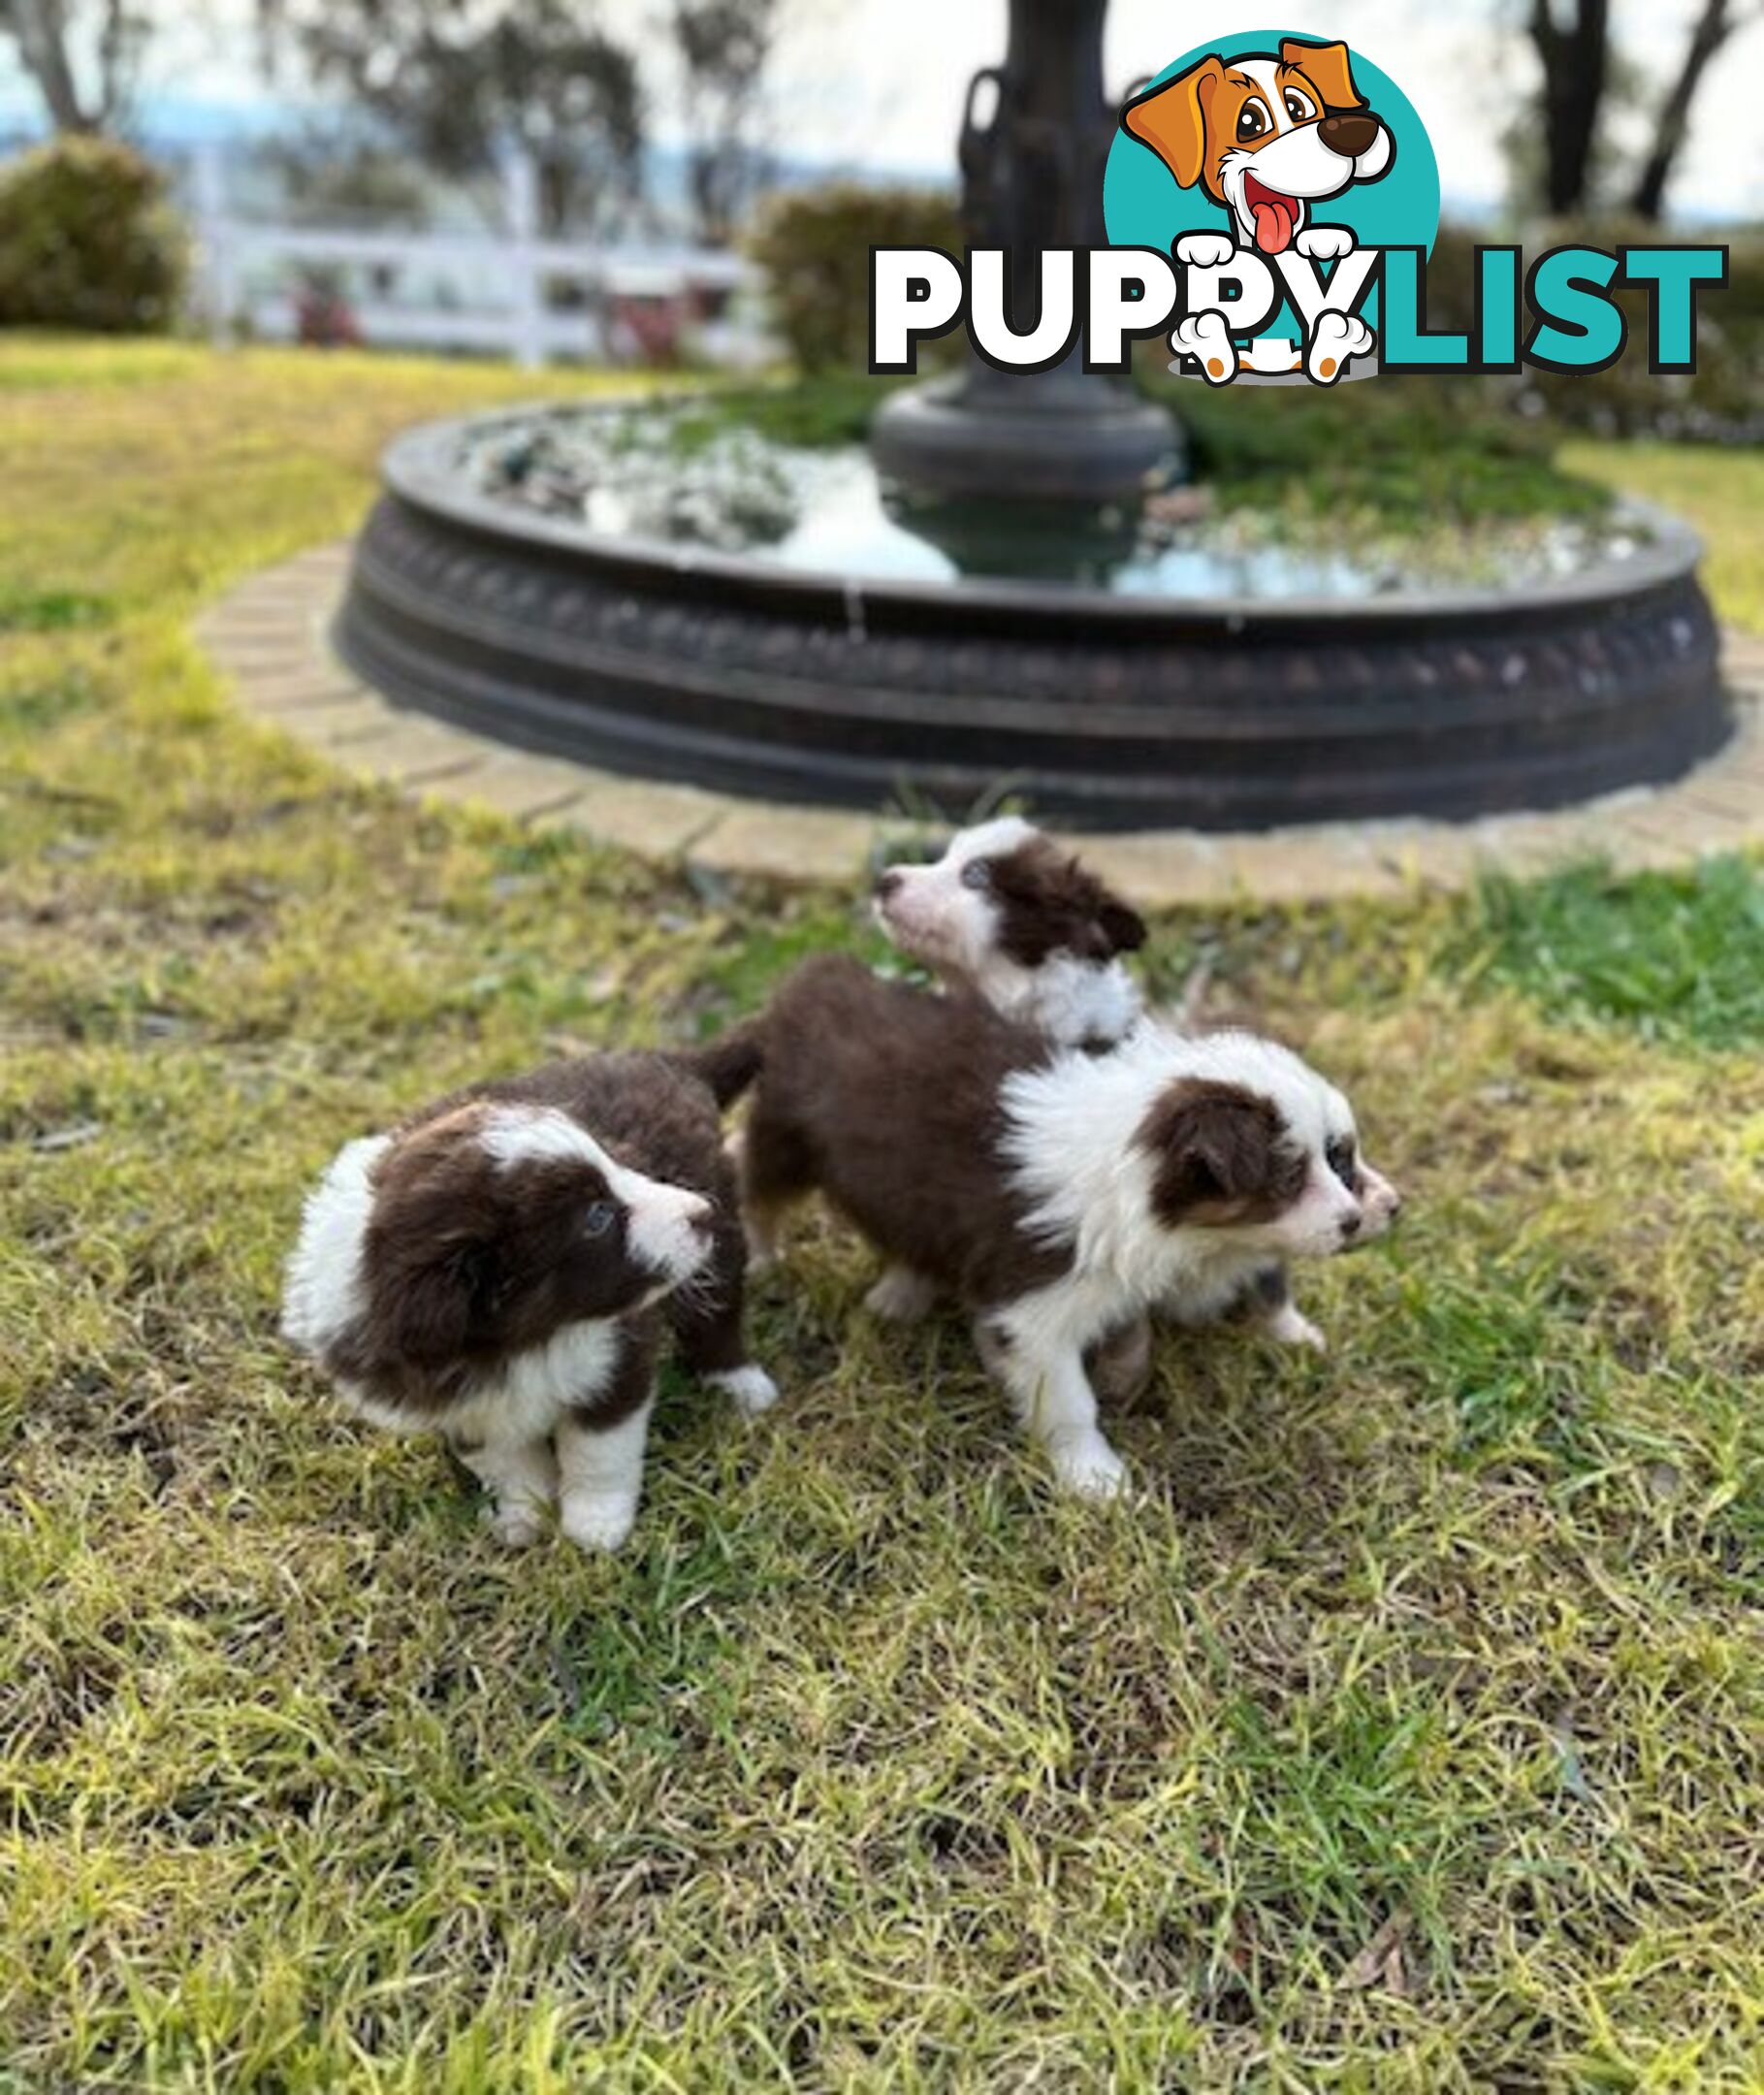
[(1280, 144)]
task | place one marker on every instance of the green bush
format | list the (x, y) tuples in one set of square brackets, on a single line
[(87, 241), (815, 248), (1721, 402)]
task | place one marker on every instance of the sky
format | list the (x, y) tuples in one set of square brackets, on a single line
[(880, 83)]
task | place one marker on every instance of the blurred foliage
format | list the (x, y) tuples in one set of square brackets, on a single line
[(88, 241), (814, 246), (1723, 402)]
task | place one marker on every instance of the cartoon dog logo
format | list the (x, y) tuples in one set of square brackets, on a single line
[(1266, 135)]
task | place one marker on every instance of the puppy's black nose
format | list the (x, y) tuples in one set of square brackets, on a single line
[(1350, 136), (886, 882)]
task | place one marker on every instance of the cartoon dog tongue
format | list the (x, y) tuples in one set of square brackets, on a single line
[(1273, 215)]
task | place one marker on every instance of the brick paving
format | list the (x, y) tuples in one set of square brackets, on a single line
[(269, 638)]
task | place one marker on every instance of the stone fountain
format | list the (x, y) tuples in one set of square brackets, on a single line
[(983, 604)]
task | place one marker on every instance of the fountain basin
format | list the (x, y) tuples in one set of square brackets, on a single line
[(1104, 707)]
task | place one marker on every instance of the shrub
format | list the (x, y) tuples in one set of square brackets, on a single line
[(87, 241), (815, 248), (1723, 402)]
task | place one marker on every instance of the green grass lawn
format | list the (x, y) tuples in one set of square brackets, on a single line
[(1404, 1733)]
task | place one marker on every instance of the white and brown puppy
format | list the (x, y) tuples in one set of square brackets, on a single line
[(494, 1270), (1056, 1195), (1010, 916)]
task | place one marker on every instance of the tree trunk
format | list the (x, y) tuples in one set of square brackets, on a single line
[(1714, 25), (40, 30), (1573, 59)]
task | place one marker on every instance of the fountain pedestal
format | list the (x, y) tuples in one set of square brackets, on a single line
[(1032, 178)]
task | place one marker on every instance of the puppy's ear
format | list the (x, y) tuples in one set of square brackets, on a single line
[(1216, 1153), (431, 1316), (1171, 119), (1326, 66), (1124, 928)]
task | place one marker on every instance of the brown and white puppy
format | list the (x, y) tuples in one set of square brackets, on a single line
[(494, 1269), (1008, 915), (1056, 1195)]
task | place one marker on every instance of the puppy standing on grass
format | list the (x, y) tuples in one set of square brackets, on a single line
[(1008, 916), (1056, 1195), (496, 1270)]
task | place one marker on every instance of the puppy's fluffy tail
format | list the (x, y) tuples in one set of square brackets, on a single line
[(729, 1066)]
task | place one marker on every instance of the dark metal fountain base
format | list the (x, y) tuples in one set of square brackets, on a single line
[(1101, 711), (1059, 436)]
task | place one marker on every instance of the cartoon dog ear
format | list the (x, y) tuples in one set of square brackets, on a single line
[(1326, 66), (1171, 119)]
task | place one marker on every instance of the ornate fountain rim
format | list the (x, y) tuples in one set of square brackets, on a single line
[(419, 467)]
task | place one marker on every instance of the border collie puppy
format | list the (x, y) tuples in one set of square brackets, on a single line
[(1008, 915), (496, 1270), (1056, 1195)]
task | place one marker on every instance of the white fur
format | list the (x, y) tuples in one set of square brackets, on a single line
[(600, 1479), (901, 1296), (931, 913), (322, 1290), (753, 1389)]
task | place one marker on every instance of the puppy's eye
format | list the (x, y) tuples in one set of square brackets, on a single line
[(977, 873), (1298, 107), (1253, 119), (600, 1219), (1338, 1155)]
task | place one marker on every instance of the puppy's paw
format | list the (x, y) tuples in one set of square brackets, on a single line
[(1324, 243), (598, 1521), (516, 1522), (1086, 1466), (1290, 1327), (901, 1297), (1205, 338), (1205, 250), (1336, 338), (752, 1388)]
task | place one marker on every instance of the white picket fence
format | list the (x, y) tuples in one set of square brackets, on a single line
[(447, 291)]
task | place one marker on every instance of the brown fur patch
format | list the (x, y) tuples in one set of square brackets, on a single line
[(1221, 1155), (1049, 902), (886, 1099)]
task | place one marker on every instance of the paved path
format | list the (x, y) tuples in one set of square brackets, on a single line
[(270, 637)]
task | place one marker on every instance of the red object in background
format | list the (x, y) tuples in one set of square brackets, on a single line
[(324, 319)]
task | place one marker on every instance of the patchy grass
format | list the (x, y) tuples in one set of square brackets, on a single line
[(1674, 955), (1718, 488), (1403, 1733)]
